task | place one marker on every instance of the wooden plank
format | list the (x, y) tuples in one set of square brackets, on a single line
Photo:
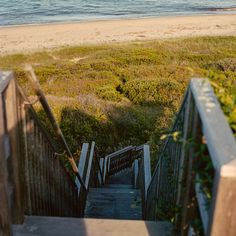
[(48, 226), (135, 170), (114, 203), (108, 164), (147, 168), (223, 207), (12, 123), (104, 170), (82, 163), (5, 218), (90, 161), (100, 175), (220, 139)]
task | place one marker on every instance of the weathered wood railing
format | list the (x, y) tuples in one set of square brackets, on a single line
[(174, 191), (163, 189), (40, 184), (117, 161)]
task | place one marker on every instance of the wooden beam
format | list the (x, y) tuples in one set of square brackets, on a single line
[(135, 171), (223, 207), (12, 129), (5, 219), (104, 170), (100, 174), (147, 168), (219, 136), (82, 163), (90, 161)]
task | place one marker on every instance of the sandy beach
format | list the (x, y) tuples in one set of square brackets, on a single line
[(29, 38)]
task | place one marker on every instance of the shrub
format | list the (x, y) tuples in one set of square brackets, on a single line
[(161, 91)]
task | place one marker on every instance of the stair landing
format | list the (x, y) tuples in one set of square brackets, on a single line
[(59, 226)]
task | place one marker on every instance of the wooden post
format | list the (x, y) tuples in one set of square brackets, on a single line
[(11, 124), (223, 207), (146, 175), (5, 220)]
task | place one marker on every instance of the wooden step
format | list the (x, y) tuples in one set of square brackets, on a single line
[(59, 226), (122, 177), (119, 186), (114, 203)]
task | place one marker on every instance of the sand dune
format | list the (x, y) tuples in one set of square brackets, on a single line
[(37, 37)]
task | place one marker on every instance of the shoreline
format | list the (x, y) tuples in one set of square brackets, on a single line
[(202, 12), (125, 18), (38, 37)]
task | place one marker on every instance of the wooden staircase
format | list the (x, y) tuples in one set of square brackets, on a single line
[(113, 208), (114, 203), (116, 194), (116, 200)]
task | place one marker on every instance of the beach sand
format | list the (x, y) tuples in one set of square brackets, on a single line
[(29, 38)]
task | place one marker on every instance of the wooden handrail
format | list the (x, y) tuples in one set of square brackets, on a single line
[(39, 92), (220, 136), (221, 145), (31, 158), (119, 152), (174, 176)]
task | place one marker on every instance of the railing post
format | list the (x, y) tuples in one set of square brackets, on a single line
[(147, 168), (5, 220), (12, 130), (223, 207)]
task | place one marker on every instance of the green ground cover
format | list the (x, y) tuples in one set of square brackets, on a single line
[(128, 93)]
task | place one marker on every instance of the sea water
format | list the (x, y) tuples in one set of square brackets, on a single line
[(17, 12)]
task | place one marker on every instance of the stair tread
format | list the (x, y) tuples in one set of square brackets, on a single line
[(59, 226), (123, 186), (113, 190), (122, 177), (113, 203)]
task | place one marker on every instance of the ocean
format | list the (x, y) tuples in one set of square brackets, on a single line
[(18, 12)]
